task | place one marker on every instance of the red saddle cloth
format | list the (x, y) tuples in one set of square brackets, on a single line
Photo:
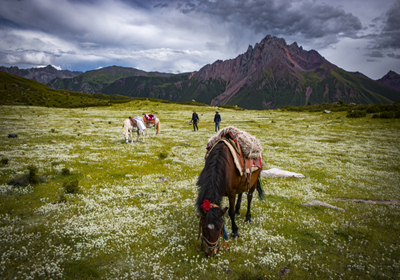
[(149, 118)]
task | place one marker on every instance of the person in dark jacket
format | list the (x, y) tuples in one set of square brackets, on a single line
[(217, 120), (195, 119)]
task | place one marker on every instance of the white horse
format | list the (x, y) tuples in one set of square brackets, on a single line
[(128, 128)]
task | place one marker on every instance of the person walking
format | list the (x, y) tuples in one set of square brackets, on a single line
[(217, 120), (195, 119)]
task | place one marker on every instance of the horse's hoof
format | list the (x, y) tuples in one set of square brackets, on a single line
[(235, 235), (237, 213), (248, 222)]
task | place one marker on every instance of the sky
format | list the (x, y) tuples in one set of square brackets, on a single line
[(179, 36)]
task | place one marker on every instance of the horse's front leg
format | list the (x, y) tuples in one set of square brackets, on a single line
[(137, 138), (144, 132), (248, 214), (235, 228), (238, 202)]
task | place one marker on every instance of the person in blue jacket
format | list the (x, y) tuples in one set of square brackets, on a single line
[(195, 119), (217, 120)]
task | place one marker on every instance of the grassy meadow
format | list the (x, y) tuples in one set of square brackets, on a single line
[(133, 215)]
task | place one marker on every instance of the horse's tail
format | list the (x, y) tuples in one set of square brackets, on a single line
[(158, 126), (260, 189)]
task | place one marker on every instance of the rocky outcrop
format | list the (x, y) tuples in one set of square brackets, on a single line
[(270, 55), (41, 75)]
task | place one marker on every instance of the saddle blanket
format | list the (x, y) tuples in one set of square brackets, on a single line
[(250, 146), (245, 149), (149, 118), (140, 123)]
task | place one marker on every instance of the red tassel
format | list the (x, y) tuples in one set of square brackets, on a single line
[(206, 205)]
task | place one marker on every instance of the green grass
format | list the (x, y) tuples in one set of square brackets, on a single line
[(15, 90), (128, 222)]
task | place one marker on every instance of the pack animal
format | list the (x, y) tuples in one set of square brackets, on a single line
[(128, 127), (227, 172)]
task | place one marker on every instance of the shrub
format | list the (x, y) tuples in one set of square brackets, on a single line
[(32, 175), (376, 108), (387, 115), (4, 161), (162, 155), (62, 198), (356, 114), (71, 187), (65, 171), (19, 181), (31, 178), (397, 114)]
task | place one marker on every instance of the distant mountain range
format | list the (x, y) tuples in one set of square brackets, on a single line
[(41, 75), (270, 75)]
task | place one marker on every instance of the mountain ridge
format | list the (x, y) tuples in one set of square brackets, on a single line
[(269, 75), (42, 75), (94, 81), (276, 71)]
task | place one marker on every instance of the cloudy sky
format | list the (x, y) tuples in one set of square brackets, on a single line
[(184, 35)]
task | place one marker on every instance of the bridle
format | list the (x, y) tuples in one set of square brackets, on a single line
[(211, 246)]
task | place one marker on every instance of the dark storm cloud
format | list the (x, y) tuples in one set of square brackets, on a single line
[(376, 54), (388, 36), (284, 18), (392, 55)]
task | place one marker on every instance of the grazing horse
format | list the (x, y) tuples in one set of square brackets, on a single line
[(219, 178), (154, 123), (128, 128)]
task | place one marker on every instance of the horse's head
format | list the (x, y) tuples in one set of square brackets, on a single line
[(211, 225)]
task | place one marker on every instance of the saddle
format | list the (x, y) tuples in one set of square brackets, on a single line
[(245, 166), (149, 118), (132, 121)]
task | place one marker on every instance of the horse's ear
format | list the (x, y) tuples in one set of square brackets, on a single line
[(223, 211)]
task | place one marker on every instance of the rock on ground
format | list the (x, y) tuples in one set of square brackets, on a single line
[(275, 172)]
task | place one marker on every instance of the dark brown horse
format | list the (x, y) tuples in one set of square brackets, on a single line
[(220, 178)]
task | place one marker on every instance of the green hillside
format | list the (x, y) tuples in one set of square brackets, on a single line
[(94, 81), (290, 90), (265, 92), (176, 88), (15, 90), (273, 88)]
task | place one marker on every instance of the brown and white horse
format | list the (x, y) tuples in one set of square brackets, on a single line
[(129, 127)]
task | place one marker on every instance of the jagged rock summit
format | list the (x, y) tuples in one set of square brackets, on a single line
[(273, 55), (275, 74)]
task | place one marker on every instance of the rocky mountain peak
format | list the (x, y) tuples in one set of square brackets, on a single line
[(391, 79), (271, 54)]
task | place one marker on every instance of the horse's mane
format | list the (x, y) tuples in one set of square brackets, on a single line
[(212, 179)]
